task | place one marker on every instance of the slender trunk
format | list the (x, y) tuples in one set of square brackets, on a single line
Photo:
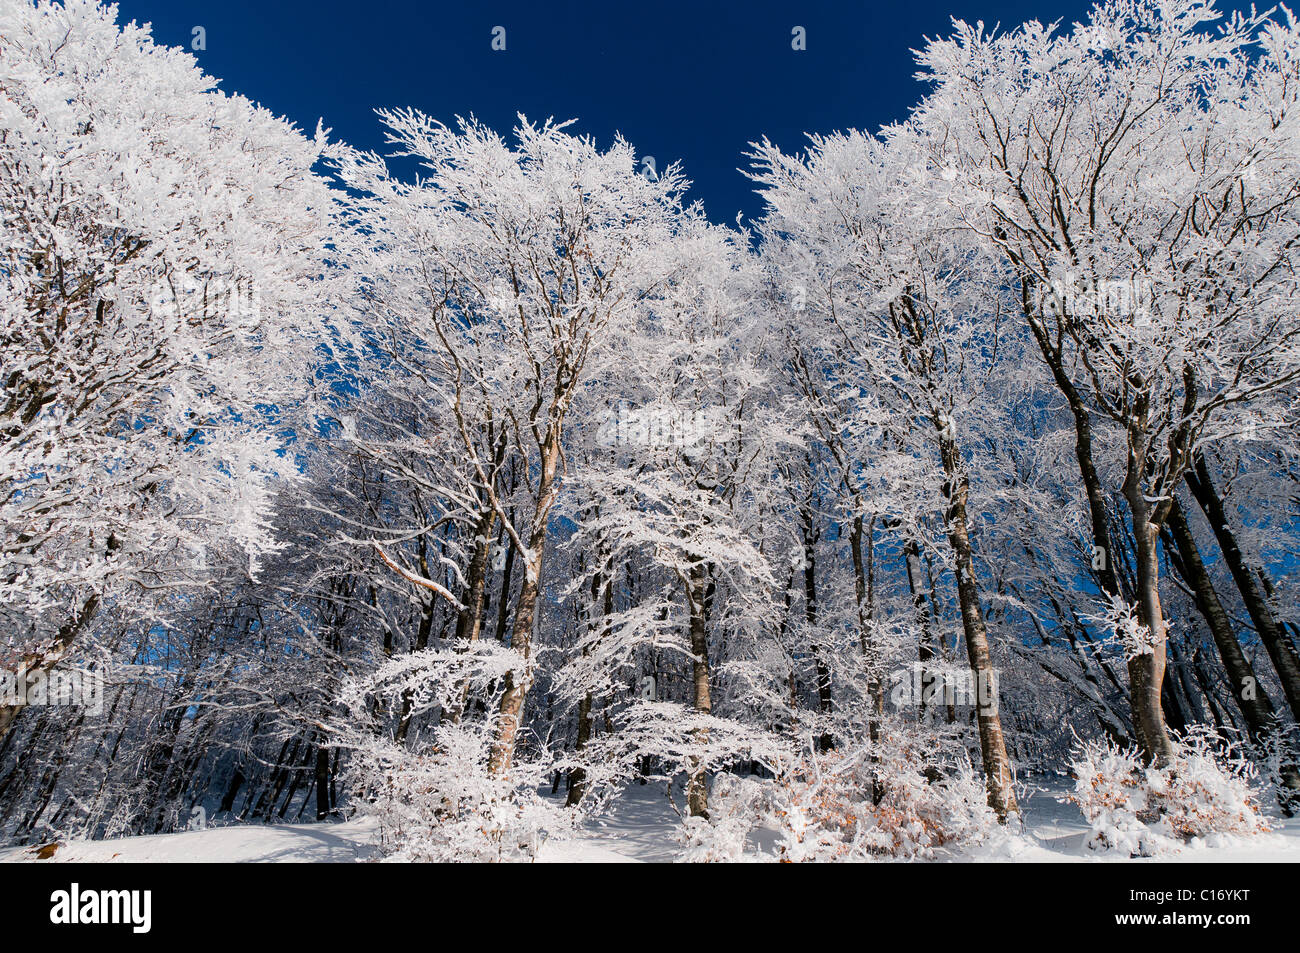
[(421, 643), (864, 580), (697, 795), (1256, 707), (1223, 718), (993, 747), (1174, 702), (1146, 665), (255, 794), (469, 620), (503, 604), (825, 741), (925, 644), (237, 778), (864, 595), (511, 710), (792, 684), (50, 779), (1105, 561), (334, 773), (1279, 648), (322, 780), (298, 774), (1189, 702), (940, 646), (286, 768), (578, 777)]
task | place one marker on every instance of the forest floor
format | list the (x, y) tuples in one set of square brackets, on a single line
[(640, 828)]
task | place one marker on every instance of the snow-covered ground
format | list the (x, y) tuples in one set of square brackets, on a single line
[(639, 829), (239, 843)]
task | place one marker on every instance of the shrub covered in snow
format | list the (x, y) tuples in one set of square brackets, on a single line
[(902, 798), (666, 741), (440, 803), (737, 806), (434, 797), (911, 799), (1206, 792)]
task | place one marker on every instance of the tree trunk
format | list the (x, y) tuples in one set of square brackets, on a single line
[(993, 747), (507, 574), (469, 620), (511, 710), (36, 664), (322, 780), (578, 777), (864, 593), (1146, 668), (1149, 670), (1261, 718), (421, 643), (602, 589), (1105, 573), (1279, 648), (824, 700), (926, 643), (697, 795)]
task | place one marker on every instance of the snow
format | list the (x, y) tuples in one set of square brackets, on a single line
[(640, 828), (1055, 832), (239, 843)]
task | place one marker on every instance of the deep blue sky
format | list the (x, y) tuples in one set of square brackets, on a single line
[(682, 81)]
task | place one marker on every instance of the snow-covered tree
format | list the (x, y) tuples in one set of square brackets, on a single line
[(491, 281), (915, 311), (165, 253), (1139, 175)]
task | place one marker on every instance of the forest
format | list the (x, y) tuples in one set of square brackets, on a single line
[(475, 486)]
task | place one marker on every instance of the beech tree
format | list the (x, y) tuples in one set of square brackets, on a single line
[(495, 276), (1145, 196), (675, 473), (165, 252), (917, 311)]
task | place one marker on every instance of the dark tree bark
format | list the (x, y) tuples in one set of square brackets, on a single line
[(1279, 648), (578, 777), (469, 620), (322, 781), (1261, 717), (825, 741), (925, 649)]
